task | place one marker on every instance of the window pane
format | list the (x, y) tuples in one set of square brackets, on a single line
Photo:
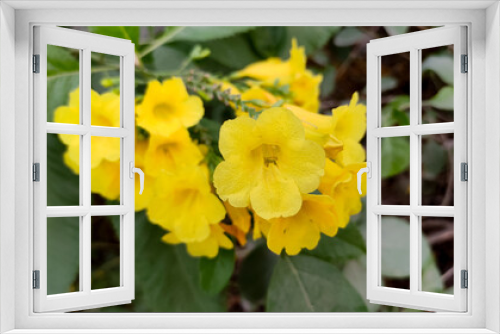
[(63, 159), (437, 170), (105, 246), (395, 252), (395, 89), (63, 254), (395, 170), (105, 85), (105, 164), (437, 84), (63, 79), (437, 254)]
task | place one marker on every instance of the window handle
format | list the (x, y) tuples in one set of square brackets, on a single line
[(141, 175), (368, 171)]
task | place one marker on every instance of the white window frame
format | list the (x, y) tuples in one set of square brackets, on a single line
[(16, 21), (414, 43), (86, 43)]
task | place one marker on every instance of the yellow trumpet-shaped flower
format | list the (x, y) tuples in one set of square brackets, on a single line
[(142, 200), (185, 205), (168, 153), (241, 221), (208, 247), (105, 179), (167, 108), (340, 133), (304, 229), (341, 184), (105, 111), (304, 85), (268, 163)]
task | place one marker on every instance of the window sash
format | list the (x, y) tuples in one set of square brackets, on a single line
[(86, 297), (413, 43)]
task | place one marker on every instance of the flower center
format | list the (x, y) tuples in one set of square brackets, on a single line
[(270, 154), (163, 110)]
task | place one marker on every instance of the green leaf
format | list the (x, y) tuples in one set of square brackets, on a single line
[(396, 30), (395, 243), (234, 52), (215, 273), (443, 99), (61, 60), (434, 157), (255, 273), (130, 33), (269, 41), (306, 284), (441, 65), (311, 38), (348, 244), (349, 36), (167, 59), (203, 33), (395, 155), (397, 111), (355, 272), (167, 274), (62, 232), (199, 52), (388, 83), (328, 84)]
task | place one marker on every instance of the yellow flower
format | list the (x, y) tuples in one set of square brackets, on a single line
[(142, 200), (341, 184), (167, 108), (184, 204), (349, 126), (208, 247), (304, 85), (105, 111), (256, 93), (105, 179), (340, 133), (241, 221), (304, 229), (268, 163), (168, 153)]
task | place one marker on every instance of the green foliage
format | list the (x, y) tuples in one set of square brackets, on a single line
[(255, 273), (395, 152), (396, 30), (234, 52), (397, 111), (434, 157), (348, 244), (443, 99), (203, 34), (442, 65), (349, 36), (328, 84), (167, 274), (215, 273), (130, 33), (306, 284), (269, 41)]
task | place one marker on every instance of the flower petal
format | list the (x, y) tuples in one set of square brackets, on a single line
[(275, 196)]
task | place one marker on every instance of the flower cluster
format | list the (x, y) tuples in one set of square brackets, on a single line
[(285, 170)]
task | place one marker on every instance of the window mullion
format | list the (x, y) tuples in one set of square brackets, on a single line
[(85, 173), (414, 170)]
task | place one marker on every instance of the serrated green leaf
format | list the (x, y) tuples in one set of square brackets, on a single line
[(396, 30), (348, 244), (203, 33), (349, 36), (395, 155), (306, 284), (215, 273), (167, 274), (442, 66), (443, 99), (255, 273)]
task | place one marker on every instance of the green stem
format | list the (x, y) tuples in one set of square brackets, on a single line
[(160, 41)]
